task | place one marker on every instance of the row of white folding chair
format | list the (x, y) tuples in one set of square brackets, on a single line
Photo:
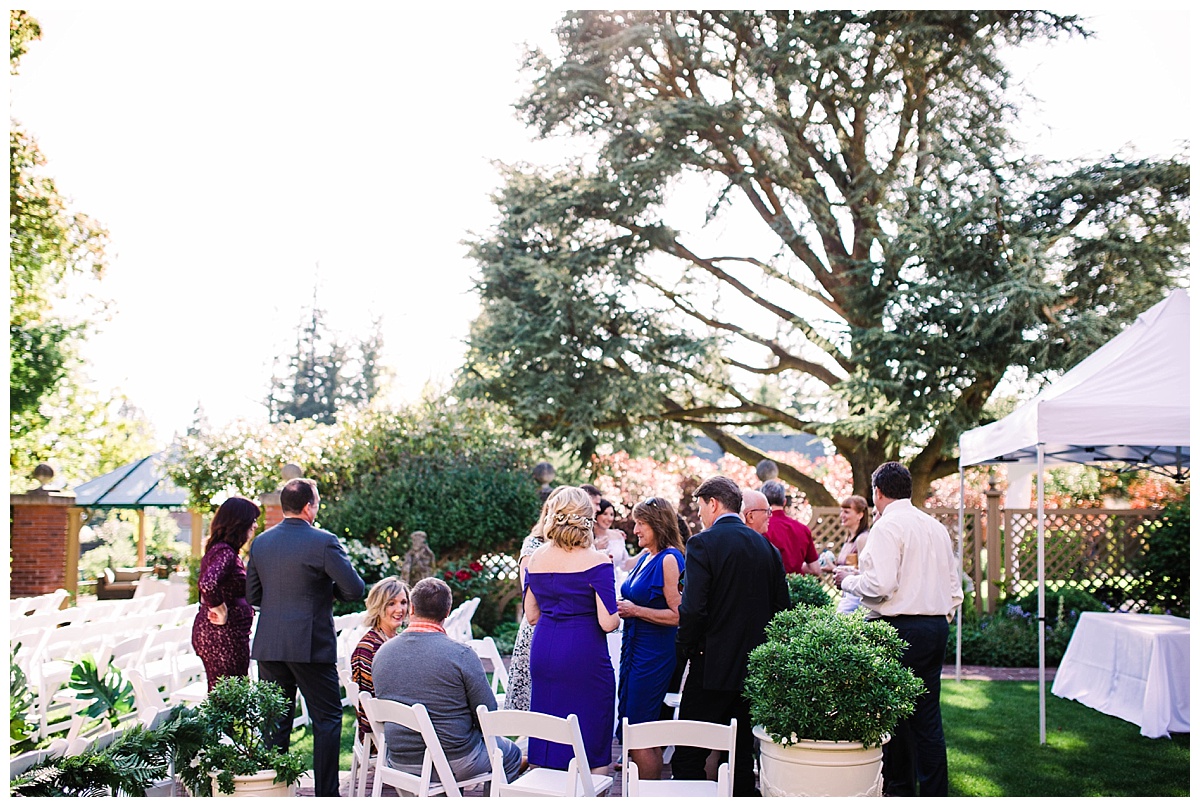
[(576, 780), (487, 651), (34, 605), (458, 623), (414, 718)]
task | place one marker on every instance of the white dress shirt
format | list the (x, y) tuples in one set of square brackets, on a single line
[(908, 567)]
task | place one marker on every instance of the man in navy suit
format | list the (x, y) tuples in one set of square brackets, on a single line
[(733, 585), (295, 571)]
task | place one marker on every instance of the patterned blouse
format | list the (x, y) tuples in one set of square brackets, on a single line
[(360, 669)]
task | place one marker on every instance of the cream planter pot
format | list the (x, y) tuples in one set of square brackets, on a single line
[(256, 784), (819, 768)]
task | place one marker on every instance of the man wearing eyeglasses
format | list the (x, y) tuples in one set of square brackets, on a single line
[(755, 511), (733, 585)]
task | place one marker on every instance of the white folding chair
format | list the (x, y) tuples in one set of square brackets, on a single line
[(360, 755), (414, 718), (659, 733), (23, 762), (458, 624), (576, 780), (487, 651)]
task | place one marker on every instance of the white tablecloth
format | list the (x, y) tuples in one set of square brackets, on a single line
[(1132, 666)]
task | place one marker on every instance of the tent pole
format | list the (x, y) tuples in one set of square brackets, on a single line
[(1041, 598), (959, 618)]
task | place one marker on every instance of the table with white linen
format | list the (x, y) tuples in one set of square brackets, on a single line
[(1132, 666)]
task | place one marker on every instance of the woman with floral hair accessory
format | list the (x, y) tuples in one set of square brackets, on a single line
[(571, 600)]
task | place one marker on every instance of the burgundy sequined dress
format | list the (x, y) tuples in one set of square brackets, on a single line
[(224, 649)]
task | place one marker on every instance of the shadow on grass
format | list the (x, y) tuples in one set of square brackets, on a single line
[(993, 750)]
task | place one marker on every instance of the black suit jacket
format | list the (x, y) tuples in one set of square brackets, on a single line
[(733, 585), (295, 571)]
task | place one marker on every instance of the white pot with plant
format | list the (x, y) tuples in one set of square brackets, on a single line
[(825, 691), (234, 759)]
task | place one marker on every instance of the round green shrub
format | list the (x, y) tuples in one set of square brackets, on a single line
[(1165, 568), (825, 676), (806, 589)]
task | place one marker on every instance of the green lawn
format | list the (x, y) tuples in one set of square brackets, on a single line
[(993, 750), (992, 746)]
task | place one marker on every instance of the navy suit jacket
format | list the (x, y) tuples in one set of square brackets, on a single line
[(733, 584), (295, 571)]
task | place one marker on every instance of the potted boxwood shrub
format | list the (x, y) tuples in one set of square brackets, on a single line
[(825, 691), (234, 756)]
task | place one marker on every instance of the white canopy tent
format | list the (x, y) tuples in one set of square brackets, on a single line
[(1127, 403)]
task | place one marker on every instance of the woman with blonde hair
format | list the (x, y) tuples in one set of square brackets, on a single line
[(387, 608), (571, 600), (517, 696), (856, 518)]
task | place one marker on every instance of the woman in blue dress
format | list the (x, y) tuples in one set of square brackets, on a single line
[(571, 600), (649, 605)]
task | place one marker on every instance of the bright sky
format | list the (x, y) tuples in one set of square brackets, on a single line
[(232, 153)]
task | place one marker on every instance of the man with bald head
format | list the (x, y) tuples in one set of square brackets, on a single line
[(755, 511)]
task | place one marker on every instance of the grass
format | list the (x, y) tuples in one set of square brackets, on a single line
[(993, 750), (992, 747)]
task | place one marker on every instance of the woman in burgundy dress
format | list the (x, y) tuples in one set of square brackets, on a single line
[(221, 632)]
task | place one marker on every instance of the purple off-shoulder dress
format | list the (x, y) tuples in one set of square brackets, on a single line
[(224, 649), (569, 665)]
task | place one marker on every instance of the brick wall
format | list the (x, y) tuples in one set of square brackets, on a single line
[(38, 526)]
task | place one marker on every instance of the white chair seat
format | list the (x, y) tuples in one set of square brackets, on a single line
[(548, 781)]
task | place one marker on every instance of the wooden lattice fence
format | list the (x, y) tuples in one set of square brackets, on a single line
[(1088, 549)]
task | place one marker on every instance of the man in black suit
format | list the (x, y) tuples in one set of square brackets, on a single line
[(295, 571), (733, 585)]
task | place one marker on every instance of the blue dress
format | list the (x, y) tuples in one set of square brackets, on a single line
[(647, 649), (569, 666)]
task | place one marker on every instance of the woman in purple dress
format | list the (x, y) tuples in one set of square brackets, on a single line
[(570, 599), (221, 632)]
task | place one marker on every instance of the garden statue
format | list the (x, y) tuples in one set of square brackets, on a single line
[(543, 474), (418, 561)]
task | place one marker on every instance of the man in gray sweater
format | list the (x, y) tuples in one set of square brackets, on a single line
[(424, 665)]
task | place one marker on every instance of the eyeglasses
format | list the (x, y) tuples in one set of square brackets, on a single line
[(758, 510)]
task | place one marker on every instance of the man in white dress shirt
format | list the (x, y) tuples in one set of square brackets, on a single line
[(908, 576)]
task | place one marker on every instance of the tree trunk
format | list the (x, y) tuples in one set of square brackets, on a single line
[(813, 490)]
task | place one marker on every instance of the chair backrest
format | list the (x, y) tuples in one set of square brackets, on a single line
[(487, 651), (458, 624), (415, 718), (694, 733), (517, 723), (146, 697), (23, 762), (144, 605)]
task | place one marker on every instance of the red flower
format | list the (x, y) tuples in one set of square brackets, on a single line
[(477, 566), (463, 574), (447, 575)]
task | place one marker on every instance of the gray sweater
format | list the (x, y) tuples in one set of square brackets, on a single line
[(447, 677)]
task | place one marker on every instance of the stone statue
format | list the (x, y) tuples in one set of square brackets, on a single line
[(543, 474), (418, 561)]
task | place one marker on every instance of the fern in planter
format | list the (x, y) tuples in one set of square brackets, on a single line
[(236, 716), (129, 765), (825, 676)]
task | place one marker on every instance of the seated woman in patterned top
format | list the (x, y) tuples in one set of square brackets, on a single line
[(387, 608)]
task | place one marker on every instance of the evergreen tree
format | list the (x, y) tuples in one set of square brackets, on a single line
[(909, 255), (325, 374)]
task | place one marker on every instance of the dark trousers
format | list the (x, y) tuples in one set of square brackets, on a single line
[(319, 685), (715, 706), (914, 762)]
